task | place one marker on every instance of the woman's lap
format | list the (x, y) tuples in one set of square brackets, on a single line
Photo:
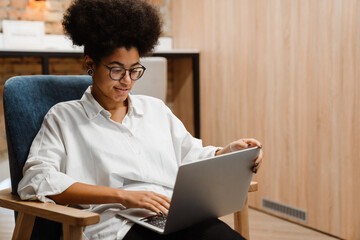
[(208, 230)]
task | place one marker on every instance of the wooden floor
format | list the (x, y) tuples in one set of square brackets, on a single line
[(262, 226), (6, 223)]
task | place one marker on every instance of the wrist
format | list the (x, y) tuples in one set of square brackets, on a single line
[(220, 151), (120, 196)]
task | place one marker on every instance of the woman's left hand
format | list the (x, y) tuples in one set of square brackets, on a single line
[(241, 144)]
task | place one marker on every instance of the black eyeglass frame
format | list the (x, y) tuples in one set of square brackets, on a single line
[(130, 70)]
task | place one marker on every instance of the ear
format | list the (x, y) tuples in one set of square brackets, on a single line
[(89, 63)]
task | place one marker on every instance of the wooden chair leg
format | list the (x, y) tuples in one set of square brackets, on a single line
[(72, 232), (24, 226), (241, 221)]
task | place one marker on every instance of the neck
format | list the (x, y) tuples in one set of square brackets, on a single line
[(106, 102)]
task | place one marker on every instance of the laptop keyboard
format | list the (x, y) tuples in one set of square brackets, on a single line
[(156, 220)]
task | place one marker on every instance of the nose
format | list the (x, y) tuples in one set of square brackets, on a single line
[(126, 77)]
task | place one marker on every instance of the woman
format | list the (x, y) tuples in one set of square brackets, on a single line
[(109, 146)]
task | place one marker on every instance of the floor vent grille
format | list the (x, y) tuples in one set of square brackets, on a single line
[(284, 210)]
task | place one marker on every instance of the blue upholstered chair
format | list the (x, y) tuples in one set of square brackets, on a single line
[(26, 101)]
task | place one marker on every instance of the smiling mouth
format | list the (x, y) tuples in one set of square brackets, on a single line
[(122, 89)]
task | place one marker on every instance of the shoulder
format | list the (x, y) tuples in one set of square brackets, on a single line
[(146, 102), (146, 99), (66, 109), (66, 106), (150, 106)]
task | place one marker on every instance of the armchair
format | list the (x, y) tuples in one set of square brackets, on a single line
[(26, 101)]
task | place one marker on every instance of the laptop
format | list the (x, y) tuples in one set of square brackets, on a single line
[(204, 189)]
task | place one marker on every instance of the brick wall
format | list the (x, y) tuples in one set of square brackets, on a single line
[(29, 66), (50, 12)]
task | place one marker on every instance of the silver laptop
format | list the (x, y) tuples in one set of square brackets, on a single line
[(208, 188)]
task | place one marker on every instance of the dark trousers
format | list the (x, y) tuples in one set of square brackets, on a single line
[(213, 229)]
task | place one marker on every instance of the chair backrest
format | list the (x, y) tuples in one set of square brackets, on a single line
[(154, 81), (26, 101)]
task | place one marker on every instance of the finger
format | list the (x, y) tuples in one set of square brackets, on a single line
[(256, 167), (258, 161), (238, 145), (168, 200), (162, 202), (259, 157), (251, 142), (159, 208), (152, 208)]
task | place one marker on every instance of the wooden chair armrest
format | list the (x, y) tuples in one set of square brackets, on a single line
[(253, 186), (59, 213), (241, 218)]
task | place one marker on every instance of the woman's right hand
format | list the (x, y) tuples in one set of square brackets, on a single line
[(81, 193), (145, 199)]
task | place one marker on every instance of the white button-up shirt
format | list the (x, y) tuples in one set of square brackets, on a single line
[(78, 142)]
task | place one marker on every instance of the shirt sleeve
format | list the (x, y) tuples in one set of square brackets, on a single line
[(187, 148), (44, 170)]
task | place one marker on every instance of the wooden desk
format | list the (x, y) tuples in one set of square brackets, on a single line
[(45, 55)]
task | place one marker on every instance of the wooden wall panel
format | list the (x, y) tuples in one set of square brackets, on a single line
[(287, 73), (349, 119), (182, 92)]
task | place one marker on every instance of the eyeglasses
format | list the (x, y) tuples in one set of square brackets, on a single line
[(118, 73)]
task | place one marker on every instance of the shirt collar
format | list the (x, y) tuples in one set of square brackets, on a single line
[(135, 106), (93, 108)]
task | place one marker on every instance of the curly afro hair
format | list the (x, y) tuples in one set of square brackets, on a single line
[(101, 26)]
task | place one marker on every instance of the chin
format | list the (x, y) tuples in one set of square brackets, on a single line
[(120, 98)]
